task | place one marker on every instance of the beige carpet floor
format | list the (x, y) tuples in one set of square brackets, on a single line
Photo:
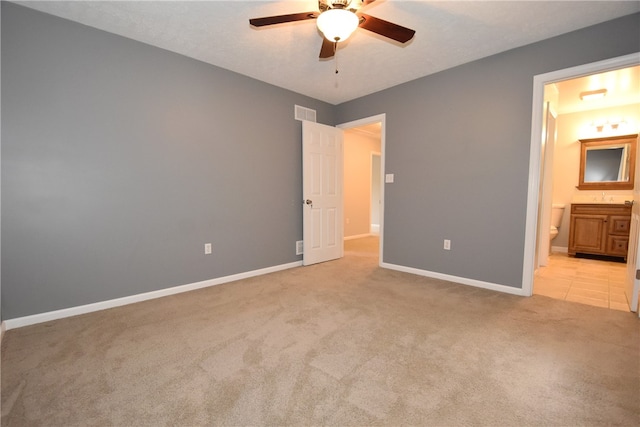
[(339, 343)]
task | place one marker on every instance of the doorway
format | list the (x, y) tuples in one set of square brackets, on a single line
[(363, 186), (541, 194)]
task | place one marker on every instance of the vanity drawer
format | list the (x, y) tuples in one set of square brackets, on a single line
[(617, 245), (619, 225)]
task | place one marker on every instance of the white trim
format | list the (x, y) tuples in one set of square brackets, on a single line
[(456, 279), (382, 119), (560, 249), (539, 81), (103, 305), (3, 328)]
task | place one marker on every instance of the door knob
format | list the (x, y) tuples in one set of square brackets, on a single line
[(309, 202)]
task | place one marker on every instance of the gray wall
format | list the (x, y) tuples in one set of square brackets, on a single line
[(458, 143), (121, 160)]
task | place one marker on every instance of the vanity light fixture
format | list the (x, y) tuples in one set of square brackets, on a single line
[(612, 126), (590, 95)]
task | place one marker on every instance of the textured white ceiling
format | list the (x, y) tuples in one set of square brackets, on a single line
[(448, 33)]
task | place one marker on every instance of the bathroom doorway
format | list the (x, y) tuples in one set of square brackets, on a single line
[(555, 274)]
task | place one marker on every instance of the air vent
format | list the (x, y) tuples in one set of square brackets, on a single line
[(302, 113)]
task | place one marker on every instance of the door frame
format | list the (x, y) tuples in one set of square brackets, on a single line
[(539, 82), (380, 118)]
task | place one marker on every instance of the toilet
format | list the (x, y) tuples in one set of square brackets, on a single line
[(556, 219)]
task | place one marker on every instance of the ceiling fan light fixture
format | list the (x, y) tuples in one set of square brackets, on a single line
[(337, 24)]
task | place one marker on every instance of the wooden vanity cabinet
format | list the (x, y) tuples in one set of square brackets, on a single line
[(599, 229)]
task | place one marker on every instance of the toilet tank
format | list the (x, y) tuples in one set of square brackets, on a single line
[(557, 210)]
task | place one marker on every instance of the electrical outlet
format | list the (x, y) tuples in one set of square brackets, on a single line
[(207, 249), (447, 244), (299, 247)]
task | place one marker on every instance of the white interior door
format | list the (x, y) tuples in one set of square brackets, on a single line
[(322, 162), (633, 256), (633, 261), (546, 188)]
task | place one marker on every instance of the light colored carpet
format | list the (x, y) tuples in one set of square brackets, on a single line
[(339, 343)]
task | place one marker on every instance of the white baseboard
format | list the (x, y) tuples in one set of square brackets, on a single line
[(3, 327), (456, 279), (103, 305), (560, 249)]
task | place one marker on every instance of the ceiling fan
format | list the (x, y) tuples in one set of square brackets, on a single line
[(337, 20)]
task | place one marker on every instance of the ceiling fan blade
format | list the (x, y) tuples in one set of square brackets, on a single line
[(386, 28), (328, 48), (281, 19)]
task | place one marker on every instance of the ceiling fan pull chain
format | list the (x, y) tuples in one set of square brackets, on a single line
[(335, 55)]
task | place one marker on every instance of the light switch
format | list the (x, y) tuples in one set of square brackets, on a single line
[(388, 178)]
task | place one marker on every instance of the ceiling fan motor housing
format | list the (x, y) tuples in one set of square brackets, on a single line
[(340, 4)]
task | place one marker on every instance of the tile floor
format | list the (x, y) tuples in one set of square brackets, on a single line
[(583, 280)]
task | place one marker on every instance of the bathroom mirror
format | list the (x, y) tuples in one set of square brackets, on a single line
[(607, 163)]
